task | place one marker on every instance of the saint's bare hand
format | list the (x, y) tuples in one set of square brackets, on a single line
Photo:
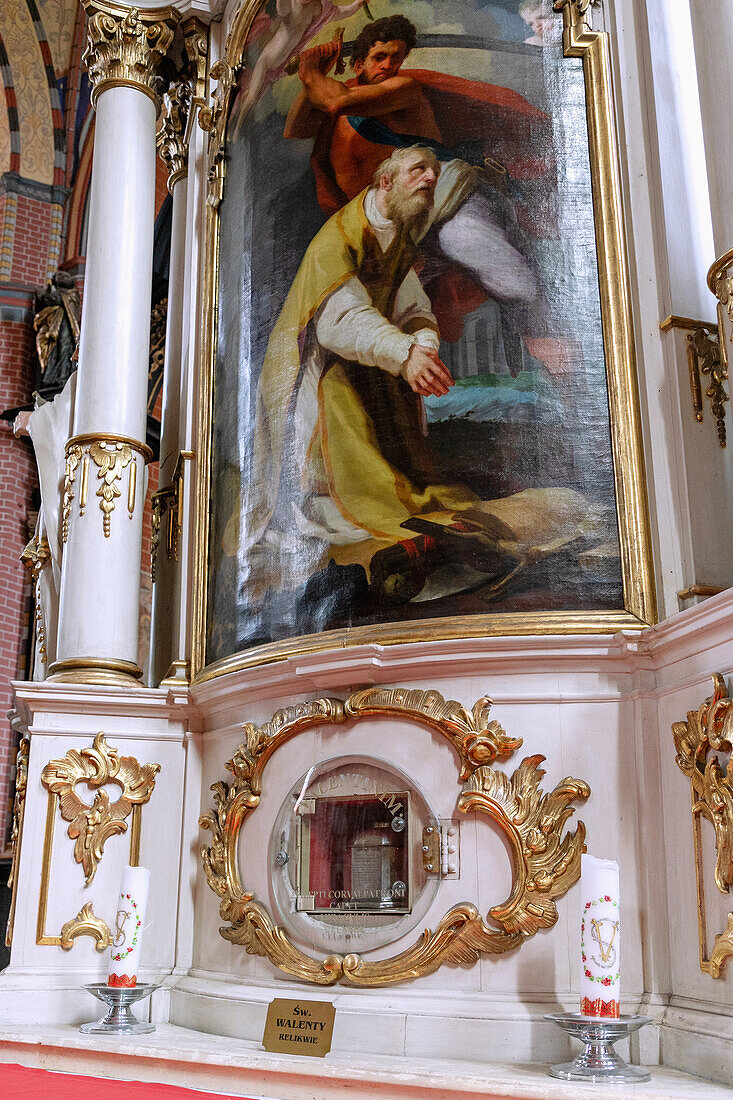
[(425, 373)]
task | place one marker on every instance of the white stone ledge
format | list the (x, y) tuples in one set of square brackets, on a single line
[(174, 1055)]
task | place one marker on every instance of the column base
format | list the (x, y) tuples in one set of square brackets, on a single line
[(179, 673), (93, 670)]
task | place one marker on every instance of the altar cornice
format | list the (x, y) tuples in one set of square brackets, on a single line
[(35, 697)]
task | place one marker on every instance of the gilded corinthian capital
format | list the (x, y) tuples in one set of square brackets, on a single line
[(125, 46)]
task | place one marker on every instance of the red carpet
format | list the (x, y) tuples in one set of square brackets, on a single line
[(21, 1083)]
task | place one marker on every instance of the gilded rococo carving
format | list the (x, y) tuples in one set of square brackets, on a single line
[(34, 557), (707, 732), (181, 98), (705, 358), (545, 861), (213, 119), (21, 785), (86, 923), (172, 146), (92, 825), (126, 46)]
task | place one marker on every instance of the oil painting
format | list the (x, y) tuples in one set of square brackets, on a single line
[(410, 399)]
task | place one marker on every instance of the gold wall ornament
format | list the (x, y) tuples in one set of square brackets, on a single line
[(545, 861), (707, 732), (92, 825), (34, 557), (16, 836), (161, 504), (125, 46), (196, 45), (704, 357), (720, 281), (156, 360), (111, 454), (213, 120), (86, 923), (701, 590), (167, 516)]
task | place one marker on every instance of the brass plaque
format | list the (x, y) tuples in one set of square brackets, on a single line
[(299, 1027)]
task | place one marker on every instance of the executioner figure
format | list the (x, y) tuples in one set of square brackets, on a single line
[(474, 236), (341, 465)]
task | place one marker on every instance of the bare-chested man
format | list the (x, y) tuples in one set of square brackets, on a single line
[(378, 90)]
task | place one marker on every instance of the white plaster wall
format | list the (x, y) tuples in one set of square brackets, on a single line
[(567, 699), (669, 241), (151, 727)]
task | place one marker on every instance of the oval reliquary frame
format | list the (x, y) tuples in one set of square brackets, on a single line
[(545, 859)]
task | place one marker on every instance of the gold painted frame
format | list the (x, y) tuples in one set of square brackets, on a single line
[(545, 861), (579, 40)]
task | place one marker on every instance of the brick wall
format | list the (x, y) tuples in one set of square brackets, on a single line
[(30, 247), (18, 482)]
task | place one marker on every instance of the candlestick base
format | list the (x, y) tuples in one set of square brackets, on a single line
[(119, 1019), (598, 1063)]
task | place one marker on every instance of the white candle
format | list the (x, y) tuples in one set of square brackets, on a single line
[(600, 940), (129, 925)]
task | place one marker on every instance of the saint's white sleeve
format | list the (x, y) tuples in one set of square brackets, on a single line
[(350, 326), (412, 305)]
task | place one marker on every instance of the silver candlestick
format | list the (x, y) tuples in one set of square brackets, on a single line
[(119, 1019), (598, 1063)]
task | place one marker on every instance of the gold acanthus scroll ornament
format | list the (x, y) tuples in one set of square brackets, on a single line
[(86, 923), (707, 732), (92, 825), (545, 859)]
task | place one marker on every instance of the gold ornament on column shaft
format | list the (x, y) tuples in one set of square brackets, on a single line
[(125, 46), (111, 454), (213, 119)]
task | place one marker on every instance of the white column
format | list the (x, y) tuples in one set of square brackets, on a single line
[(711, 33), (105, 483), (163, 612), (176, 133)]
